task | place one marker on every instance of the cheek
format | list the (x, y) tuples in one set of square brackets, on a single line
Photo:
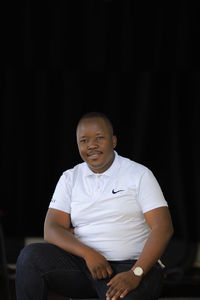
[(80, 149), (83, 152)]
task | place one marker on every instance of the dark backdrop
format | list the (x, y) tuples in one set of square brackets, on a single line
[(137, 63)]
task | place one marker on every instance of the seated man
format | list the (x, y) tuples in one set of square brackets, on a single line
[(120, 222)]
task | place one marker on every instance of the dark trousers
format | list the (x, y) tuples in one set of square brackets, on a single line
[(42, 267)]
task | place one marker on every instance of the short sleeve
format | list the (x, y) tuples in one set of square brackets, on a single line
[(61, 198), (150, 195)]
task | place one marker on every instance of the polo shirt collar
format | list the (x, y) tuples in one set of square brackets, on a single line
[(111, 170)]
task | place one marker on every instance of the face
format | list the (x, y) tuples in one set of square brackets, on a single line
[(96, 143)]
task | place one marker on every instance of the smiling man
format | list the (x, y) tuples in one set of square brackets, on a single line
[(96, 142), (106, 227)]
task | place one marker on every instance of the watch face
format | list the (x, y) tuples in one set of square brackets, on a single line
[(138, 271)]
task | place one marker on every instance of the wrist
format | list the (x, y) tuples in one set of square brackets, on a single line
[(135, 279), (137, 271)]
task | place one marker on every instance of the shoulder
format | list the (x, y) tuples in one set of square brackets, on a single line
[(131, 166), (130, 172), (71, 174)]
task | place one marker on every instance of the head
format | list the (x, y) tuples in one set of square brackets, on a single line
[(96, 141)]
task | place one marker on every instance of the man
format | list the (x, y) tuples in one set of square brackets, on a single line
[(106, 227)]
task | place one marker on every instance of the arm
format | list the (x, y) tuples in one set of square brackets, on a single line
[(57, 231), (159, 220)]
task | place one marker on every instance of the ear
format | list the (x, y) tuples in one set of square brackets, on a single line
[(114, 139)]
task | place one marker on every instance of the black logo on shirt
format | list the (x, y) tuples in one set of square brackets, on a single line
[(115, 192)]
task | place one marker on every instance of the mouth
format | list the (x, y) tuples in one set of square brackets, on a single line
[(94, 155)]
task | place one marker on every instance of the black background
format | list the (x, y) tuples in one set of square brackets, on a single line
[(138, 63)]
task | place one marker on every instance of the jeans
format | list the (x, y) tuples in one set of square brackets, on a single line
[(44, 267)]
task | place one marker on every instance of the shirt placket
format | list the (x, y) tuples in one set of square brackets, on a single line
[(98, 186)]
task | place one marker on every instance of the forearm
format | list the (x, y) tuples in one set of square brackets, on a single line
[(66, 240), (154, 248)]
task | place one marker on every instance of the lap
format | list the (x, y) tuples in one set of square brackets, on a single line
[(68, 275), (62, 272)]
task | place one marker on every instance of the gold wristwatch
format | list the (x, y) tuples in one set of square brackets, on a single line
[(138, 271)]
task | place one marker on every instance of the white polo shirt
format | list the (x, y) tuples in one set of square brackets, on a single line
[(107, 209)]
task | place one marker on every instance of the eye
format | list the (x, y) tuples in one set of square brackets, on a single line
[(83, 141), (99, 138)]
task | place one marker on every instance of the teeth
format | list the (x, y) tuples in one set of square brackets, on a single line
[(93, 155)]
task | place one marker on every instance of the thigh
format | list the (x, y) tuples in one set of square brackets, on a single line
[(150, 286), (61, 271)]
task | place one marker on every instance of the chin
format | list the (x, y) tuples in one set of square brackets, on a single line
[(96, 168)]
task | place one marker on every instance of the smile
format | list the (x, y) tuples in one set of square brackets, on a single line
[(95, 154)]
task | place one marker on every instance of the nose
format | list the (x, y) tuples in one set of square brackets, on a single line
[(92, 144)]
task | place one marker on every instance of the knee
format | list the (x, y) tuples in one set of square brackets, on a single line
[(27, 255)]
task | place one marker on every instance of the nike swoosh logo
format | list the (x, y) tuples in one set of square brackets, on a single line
[(115, 192)]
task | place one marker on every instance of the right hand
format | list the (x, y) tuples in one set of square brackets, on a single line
[(98, 265)]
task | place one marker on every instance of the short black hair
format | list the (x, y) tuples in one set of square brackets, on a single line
[(96, 114)]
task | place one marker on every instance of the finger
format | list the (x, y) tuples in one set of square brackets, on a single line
[(109, 270), (109, 283), (113, 289), (94, 275), (105, 274), (115, 294), (124, 293), (99, 274)]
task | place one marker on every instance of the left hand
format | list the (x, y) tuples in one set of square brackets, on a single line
[(121, 284)]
